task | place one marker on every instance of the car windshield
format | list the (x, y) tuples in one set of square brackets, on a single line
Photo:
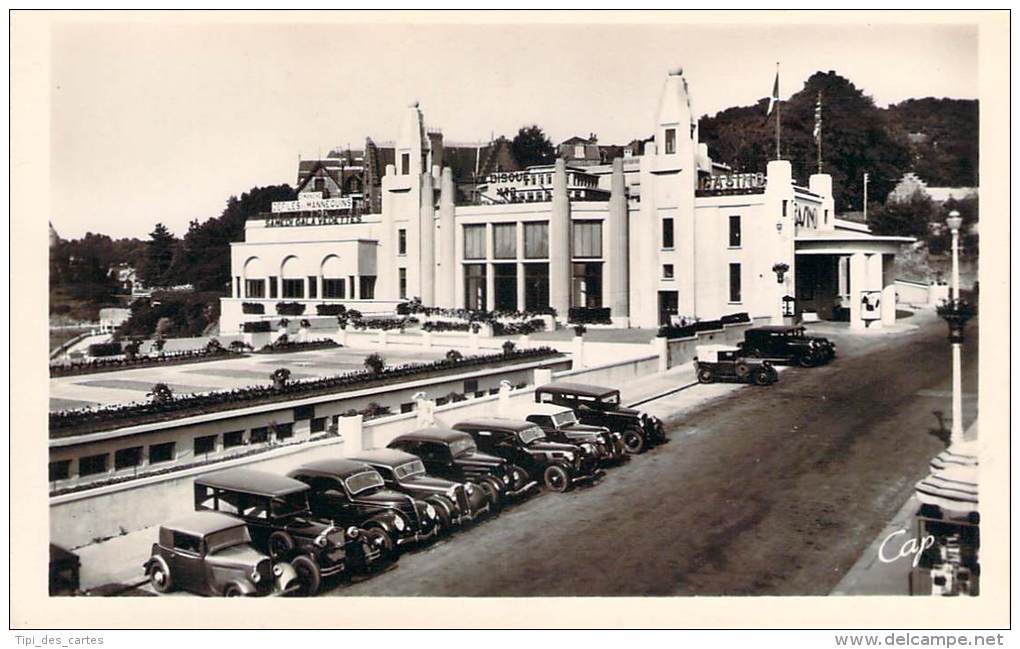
[(227, 538), (412, 468), (529, 435), (462, 446), (295, 503), (364, 481), (565, 418)]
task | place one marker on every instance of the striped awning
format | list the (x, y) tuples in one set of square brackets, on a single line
[(952, 484)]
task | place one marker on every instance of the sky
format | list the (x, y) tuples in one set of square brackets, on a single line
[(163, 122)]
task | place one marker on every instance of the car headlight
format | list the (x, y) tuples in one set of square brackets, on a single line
[(506, 480), (255, 576), (589, 448), (398, 522), (353, 532), (277, 570), (469, 489), (568, 456), (430, 511)]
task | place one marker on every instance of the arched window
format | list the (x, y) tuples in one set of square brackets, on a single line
[(333, 285), (254, 278), (293, 281)]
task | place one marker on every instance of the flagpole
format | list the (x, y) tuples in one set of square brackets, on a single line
[(818, 117), (778, 103)]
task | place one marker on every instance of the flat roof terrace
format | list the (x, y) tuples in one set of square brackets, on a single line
[(122, 386)]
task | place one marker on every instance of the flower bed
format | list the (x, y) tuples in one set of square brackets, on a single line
[(330, 309), (114, 364), (583, 315), (105, 349), (384, 324), (289, 308), (254, 308), (670, 331), (256, 327), (446, 325), (518, 328), (288, 346), (87, 420)]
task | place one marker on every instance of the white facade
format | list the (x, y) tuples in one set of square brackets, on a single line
[(653, 238)]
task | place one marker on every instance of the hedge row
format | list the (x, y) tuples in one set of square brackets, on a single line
[(255, 308), (86, 420), (114, 364), (589, 315), (285, 346), (670, 331), (518, 328)]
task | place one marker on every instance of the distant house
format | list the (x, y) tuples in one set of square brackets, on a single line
[(910, 184)]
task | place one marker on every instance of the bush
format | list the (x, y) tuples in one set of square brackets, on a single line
[(257, 326), (239, 346), (708, 325), (174, 315), (454, 356), (589, 315), (111, 364), (375, 364), (735, 318), (508, 347), (384, 324), (445, 325), (161, 394), (525, 328), (283, 344), (254, 308), (289, 308), (330, 309), (105, 349), (669, 331), (214, 346)]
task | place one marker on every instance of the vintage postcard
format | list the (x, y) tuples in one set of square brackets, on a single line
[(527, 319)]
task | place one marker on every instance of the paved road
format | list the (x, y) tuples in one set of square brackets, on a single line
[(767, 491)]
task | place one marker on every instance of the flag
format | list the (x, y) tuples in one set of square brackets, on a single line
[(818, 118), (775, 94)]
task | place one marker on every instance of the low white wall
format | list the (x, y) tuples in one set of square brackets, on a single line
[(682, 350)]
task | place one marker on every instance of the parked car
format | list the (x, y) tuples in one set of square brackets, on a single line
[(454, 455), (208, 553), (724, 363), (560, 424), (559, 466), (456, 503), (786, 344), (353, 493), (279, 520), (598, 406)]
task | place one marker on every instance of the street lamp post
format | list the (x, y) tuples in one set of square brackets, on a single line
[(956, 313)]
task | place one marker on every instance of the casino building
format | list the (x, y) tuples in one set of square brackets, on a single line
[(650, 237)]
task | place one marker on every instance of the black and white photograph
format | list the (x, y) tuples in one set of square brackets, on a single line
[(664, 309)]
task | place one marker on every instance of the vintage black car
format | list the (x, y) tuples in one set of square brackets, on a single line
[(559, 466), (724, 363), (598, 406), (348, 492), (560, 424), (783, 344), (453, 455), (279, 520), (456, 503), (208, 553)]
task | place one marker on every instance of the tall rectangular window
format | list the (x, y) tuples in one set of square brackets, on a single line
[(784, 208), (536, 240), (668, 233), (734, 232), (667, 271), (272, 288), (474, 287), (735, 283), (403, 282), (505, 287), (586, 287), (587, 239), (504, 240), (401, 241), (474, 242), (255, 288), (333, 288), (536, 286), (313, 287), (294, 288), (405, 163), (367, 286), (670, 140)]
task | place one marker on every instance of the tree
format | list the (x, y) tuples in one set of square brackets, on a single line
[(159, 255), (909, 218), (531, 147)]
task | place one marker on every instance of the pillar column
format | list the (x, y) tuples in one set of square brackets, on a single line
[(619, 237), (352, 432), (559, 243), (858, 283), (888, 291), (427, 242), (875, 283), (445, 273), (519, 247)]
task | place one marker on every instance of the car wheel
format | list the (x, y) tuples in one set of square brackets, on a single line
[(380, 538), (556, 478), (160, 578), (495, 499), (705, 375), (634, 441), (742, 370), (232, 590), (806, 361), (761, 377), (308, 574), (280, 545)]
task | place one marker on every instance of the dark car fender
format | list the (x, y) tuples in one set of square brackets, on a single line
[(384, 521), (246, 587), (154, 560)]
